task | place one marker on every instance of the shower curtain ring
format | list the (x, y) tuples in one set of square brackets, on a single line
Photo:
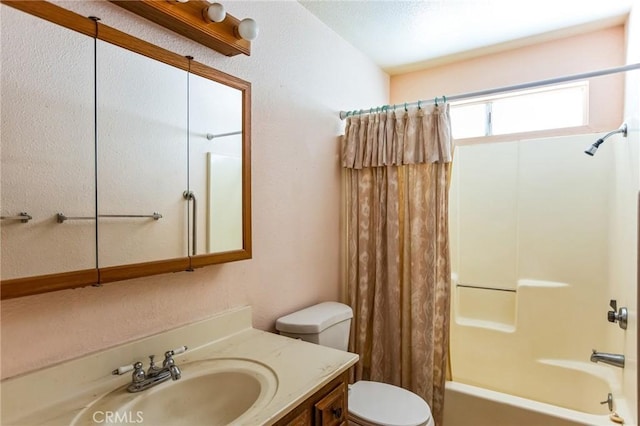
[(419, 106), (435, 100), (405, 107)]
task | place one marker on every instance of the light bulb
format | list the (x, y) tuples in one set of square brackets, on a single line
[(248, 29), (214, 13)]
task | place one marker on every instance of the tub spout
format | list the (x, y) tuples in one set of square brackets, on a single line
[(617, 360)]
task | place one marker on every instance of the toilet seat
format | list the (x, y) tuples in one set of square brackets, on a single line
[(388, 405)]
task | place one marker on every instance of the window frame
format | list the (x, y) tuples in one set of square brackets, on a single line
[(553, 131)]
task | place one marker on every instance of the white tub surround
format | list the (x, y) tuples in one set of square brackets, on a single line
[(470, 405), (58, 394)]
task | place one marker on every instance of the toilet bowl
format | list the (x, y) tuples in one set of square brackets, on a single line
[(370, 403)]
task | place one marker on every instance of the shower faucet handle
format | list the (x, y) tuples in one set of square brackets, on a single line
[(618, 315), (611, 315)]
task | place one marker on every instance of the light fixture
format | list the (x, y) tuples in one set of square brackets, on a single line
[(214, 13), (248, 29), (205, 22)]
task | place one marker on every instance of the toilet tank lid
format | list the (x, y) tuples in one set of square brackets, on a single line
[(314, 319)]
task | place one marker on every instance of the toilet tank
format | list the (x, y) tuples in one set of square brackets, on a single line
[(326, 324)]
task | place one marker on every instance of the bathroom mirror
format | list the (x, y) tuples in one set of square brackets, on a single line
[(219, 166), (142, 158), (47, 151), (139, 159), (215, 166)]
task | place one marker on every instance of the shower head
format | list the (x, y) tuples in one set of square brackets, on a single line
[(593, 148)]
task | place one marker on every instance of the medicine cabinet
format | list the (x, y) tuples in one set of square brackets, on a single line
[(119, 159)]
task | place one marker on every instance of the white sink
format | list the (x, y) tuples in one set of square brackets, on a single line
[(210, 392)]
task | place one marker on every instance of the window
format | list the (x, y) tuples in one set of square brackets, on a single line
[(552, 107)]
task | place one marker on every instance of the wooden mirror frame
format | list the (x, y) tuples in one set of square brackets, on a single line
[(20, 287)]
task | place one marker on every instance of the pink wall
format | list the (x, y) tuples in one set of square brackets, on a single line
[(301, 78), (572, 55)]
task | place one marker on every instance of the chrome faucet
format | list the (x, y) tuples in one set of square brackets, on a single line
[(617, 360), (141, 380)]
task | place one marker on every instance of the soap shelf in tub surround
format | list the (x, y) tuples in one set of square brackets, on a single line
[(58, 394)]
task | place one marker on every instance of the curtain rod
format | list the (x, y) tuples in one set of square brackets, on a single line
[(343, 114)]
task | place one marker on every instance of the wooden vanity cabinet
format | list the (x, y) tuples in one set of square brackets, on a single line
[(327, 407)]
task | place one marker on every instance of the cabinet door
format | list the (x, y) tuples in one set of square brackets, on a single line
[(302, 419), (328, 406), (141, 157), (47, 152), (332, 409), (215, 165)]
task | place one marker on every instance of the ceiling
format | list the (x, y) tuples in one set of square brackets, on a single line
[(402, 36)]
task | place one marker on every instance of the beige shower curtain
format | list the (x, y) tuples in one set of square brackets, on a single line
[(398, 267)]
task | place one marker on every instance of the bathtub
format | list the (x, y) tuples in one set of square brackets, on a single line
[(515, 364), (468, 405)]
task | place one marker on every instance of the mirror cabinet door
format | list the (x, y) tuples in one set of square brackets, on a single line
[(215, 166), (141, 158), (47, 150)]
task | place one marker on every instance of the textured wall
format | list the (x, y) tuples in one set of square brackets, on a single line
[(302, 74), (572, 55)]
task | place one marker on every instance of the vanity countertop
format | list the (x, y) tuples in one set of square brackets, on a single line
[(57, 395)]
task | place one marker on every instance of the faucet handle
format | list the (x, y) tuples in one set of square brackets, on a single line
[(618, 315), (122, 370), (168, 355), (179, 350)]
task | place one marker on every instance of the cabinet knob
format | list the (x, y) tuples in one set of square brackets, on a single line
[(337, 412)]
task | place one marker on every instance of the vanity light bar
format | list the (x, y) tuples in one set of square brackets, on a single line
[(185, 18)]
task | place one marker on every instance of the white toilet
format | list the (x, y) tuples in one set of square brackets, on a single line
[(370, 403)]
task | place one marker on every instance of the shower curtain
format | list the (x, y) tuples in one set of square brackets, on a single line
[(397, 169)]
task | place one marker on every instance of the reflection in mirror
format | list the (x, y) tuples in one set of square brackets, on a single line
[(47, 147), (215, 165), (142, 158)]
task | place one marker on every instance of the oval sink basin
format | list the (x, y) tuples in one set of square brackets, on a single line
[(210, 392)]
